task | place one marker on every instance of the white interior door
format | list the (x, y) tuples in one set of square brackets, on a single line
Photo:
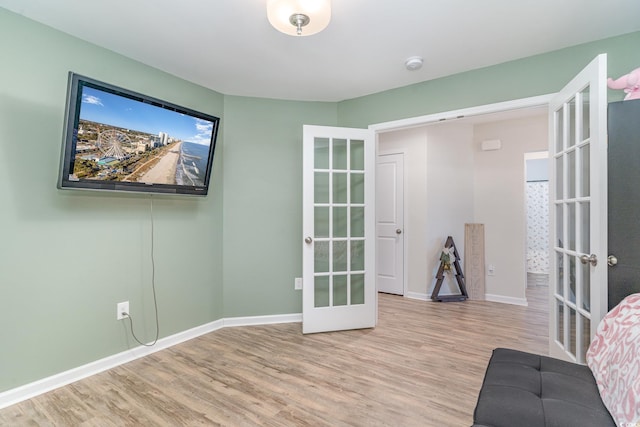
[(338, 252), (390, 223), (578, 212)]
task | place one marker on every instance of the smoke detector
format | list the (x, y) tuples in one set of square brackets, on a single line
[(413, 63)]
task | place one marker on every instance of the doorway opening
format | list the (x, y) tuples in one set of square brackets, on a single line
[(537, 223), (451, 181)]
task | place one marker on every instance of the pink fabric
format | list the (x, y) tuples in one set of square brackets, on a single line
[(614, 359)]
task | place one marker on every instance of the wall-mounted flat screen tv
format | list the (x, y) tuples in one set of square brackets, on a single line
[(119, 140)]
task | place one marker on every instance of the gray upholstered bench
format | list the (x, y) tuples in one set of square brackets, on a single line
[(527, 390)]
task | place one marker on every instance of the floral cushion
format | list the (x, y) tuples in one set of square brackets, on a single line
[(614, 359)]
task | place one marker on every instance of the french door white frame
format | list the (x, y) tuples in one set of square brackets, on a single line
[(573, 270), (319, 315)]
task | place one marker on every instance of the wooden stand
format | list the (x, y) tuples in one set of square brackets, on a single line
[(459, 277)]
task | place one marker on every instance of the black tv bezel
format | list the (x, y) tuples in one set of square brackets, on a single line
[(72, 115)]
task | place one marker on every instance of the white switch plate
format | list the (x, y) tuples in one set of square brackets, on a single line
[(298, 283), (491, 270)]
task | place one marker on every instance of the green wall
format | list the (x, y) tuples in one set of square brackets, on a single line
[(263, 202), (67, 257), (531, 76)]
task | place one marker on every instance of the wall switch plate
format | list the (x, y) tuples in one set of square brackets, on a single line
[(298, 283), (122, 307), (491, 270)]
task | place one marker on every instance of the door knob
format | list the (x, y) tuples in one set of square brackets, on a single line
[(398, 231), (612, 260), (593, 259), (308, 240)]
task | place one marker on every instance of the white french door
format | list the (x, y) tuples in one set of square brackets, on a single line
[(578, 212), (338, 251)]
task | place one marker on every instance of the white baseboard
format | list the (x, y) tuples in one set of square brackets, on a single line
[(417, 295), (28, 391), (488, 297), (262, 320), (506, 300)]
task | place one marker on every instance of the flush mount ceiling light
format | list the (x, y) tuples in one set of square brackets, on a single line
[(299, 17), (413, 63)]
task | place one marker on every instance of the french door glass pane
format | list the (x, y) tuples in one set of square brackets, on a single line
[(321, 255), (572, 279), (339, 188), (571, 174), (560, 279), (340, 290), (357, 188), (357, 155), (340, 220), (321, 153), (572, 331), (357, 255), (321, 221), (560, 323), (357, 289), (340, 256), (585, 227), (357, 222), (559, 227), (321, 182), (559, 177), (571, 122), (571, 226), (586, 111), (339, 154), (559, 115), (585, 173), (585, 286), (321, 291)]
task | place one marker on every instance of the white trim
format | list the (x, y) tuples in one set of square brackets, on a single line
[(534, 101), (262, 320), (506, 300), (44, 385), (417, 295)]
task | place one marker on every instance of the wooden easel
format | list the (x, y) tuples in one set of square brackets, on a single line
[(458, 273)]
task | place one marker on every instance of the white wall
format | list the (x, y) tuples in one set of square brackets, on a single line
[(499, 200), (450, 194), (438, 165)]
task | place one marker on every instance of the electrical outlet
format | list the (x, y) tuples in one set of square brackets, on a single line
[(122, 307), (298, 283)]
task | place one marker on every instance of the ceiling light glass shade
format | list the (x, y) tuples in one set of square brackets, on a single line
[(280, 13)]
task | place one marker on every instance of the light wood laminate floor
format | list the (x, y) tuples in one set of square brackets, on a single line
[(421, 366)]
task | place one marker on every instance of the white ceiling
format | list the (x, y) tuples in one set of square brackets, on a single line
[(229, 46)]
